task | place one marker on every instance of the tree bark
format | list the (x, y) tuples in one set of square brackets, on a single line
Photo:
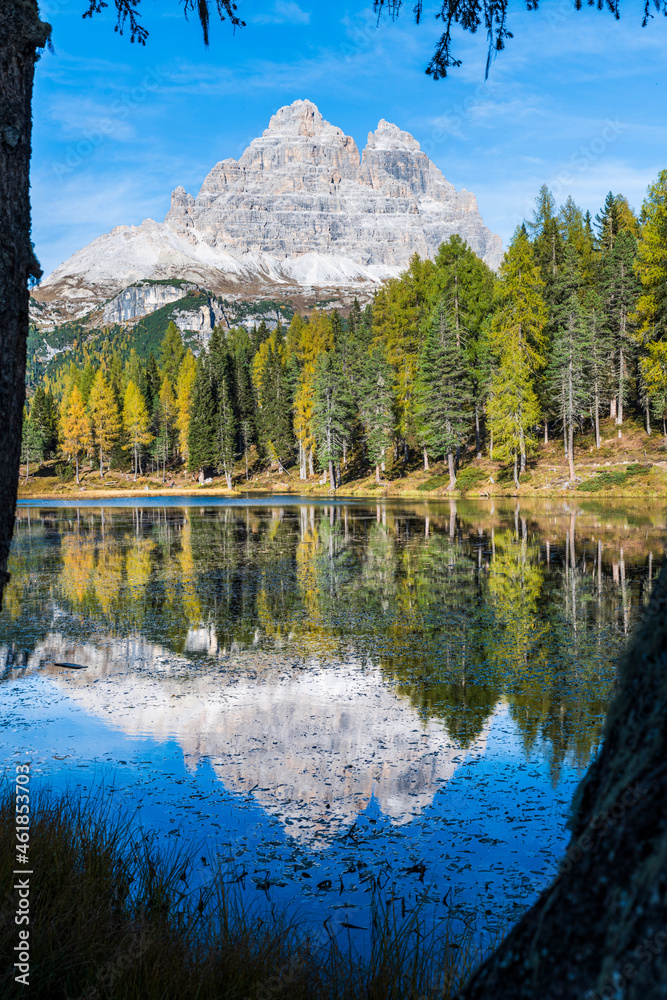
[(426, 469), (452, 472), (597, 418), (570, 451), (332, 481), (377, 473), (21, 35), (599, 931)]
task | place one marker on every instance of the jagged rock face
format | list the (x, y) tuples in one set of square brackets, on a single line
[(139, 300), (299, 210), (302, 187)]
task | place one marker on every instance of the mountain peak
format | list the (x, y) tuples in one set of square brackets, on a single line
[(391, 138), (301, 118)]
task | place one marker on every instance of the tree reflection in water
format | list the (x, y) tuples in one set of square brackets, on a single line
[(460, 605)]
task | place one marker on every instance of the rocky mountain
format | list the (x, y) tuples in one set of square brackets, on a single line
[(300, 213)]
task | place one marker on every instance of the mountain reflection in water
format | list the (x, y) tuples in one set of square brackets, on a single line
[(326, 661)]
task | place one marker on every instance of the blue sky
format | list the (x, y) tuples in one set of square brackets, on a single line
[(576, 100)]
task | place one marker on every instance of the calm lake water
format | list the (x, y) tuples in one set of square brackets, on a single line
[(328, 697)]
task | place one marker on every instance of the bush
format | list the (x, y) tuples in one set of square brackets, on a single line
[(435, 482), (608, 479), (65, 471), (469, 478)]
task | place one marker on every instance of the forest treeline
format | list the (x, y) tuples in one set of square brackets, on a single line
[(447, 359)]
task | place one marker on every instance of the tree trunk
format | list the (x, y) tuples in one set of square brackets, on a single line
[(570, 451), (377, 473), (478, 437), (516, 475), (648, 419), (546, 431), (425, 460), (311, 469), (598, 931), (612, 407), (621, 374), (452, 472), (21, 34), (597, 419), (77, 469), (101, 463), (332, 481)]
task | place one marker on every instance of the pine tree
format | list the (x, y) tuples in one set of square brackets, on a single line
[(400, 309), (513, 407), (202, 430), (44, 416), (172, 353), (104, 418), (464, 285), (651, 263), (517, 330), (31, 444), (654, 374), (568, 370), (245, 403), (599, 358), (225, 432), (444, 395), (136, 423), (167, 412), (274, 397), (620, 290), (332, 409), (75, 427), (375, 405)]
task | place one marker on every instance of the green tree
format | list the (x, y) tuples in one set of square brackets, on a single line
[(44, 416), (31, 444), (464, 286), (568, 374), (651, 263), (202, 429), (375, 405), (444, 396), (225, 431), (332, 408), (517, 337), (620, 289), (172, 353)]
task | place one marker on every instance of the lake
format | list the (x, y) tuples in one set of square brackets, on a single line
[(328, 698)]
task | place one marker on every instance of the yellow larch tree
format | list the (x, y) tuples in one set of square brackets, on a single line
[(75, 428), (104, 417), (135, 421)]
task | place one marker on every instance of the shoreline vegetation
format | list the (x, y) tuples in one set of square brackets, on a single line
[(632, 468), (120, 917)]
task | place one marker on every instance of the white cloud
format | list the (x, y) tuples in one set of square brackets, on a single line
[(284, 11)]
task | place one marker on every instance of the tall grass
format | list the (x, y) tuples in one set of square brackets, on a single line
[(112, 917)]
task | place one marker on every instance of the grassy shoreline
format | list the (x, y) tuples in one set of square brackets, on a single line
[(632, 467)]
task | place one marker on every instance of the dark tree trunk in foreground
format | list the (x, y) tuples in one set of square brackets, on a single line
[(599, 932), (21, 34)]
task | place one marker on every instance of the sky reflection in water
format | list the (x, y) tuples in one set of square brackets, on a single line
[(325, 695)]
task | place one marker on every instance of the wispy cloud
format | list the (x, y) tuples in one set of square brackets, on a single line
[(283, 12)]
